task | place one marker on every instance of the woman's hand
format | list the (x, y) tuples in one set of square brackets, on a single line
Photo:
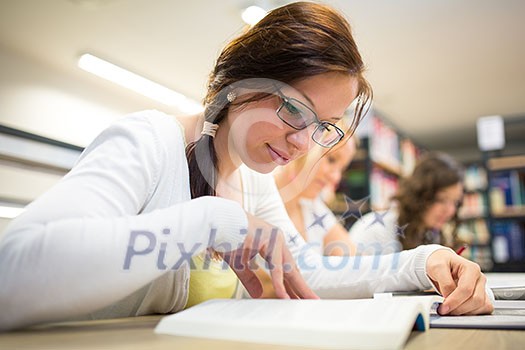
[(268, 241), (461, 282)]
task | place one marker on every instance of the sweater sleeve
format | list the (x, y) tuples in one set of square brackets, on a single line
[(88, 242), (347, 276)]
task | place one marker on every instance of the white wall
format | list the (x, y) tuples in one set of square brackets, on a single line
[(24, 185), (43, 100)]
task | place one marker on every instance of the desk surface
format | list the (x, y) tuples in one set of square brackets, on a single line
[(137, 333)]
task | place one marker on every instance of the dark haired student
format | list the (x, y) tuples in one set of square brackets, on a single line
[(116, 236), (425, 205)]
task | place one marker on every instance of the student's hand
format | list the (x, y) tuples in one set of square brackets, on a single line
[(461, 282), (269, 242)]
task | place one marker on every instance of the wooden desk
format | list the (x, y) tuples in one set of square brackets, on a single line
[(137, 333)]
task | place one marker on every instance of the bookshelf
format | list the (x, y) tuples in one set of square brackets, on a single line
[(473, 228), (384, 155), (506, 214)]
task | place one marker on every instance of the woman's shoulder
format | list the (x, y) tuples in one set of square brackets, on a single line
[(382, 221), (163, 129), (153, 119), (388, 216), (150, 134), (376, 232)]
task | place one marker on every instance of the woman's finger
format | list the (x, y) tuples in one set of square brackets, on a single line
[(248, 278), (295, 279), (485, 309), (276, 272), (468, 276), (478, 303), (442, 277), (290, 290)]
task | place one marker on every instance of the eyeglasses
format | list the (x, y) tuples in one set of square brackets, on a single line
[(299, 116)]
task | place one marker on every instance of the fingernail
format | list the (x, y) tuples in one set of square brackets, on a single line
[(443, 309)]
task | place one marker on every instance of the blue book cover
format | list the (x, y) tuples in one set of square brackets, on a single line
[(502, 180), (517, 245)]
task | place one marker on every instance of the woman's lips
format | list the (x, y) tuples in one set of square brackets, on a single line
[(277, 157)]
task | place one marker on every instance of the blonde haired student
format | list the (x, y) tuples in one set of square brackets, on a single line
[(116, 235), (301, 184)]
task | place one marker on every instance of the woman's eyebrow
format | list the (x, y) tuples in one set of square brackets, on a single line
[(335, 119), (307, 97)]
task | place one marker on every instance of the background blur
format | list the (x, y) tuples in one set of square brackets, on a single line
[(435, 66)]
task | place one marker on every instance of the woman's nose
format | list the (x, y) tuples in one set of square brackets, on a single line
[(334, 177), (300, 139), (450, 208)]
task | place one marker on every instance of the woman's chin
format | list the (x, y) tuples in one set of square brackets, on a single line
[(262, 168), (439, 225)]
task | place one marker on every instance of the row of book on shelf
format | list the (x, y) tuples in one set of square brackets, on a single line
[(507, 191), (474, 206), (503, 222), (475, 233), (391, 149), (393, 156), (475, 178), (508, 242)]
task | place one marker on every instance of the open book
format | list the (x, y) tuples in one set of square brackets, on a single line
[(329, 324), (507, 286)]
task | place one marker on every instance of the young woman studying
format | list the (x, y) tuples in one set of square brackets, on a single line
[(425, 204), (116, 236), (301, 184)]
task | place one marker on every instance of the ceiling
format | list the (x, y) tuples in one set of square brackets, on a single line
[(435, 66)]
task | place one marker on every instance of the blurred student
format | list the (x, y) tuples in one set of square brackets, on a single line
[(302, 183), (424, 207)]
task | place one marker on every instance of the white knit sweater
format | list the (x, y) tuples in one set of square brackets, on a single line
[(113, 237)]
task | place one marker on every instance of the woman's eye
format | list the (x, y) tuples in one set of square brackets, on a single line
[(290, 108), (325, 127)]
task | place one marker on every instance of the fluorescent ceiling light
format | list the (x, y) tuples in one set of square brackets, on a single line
[(135, 82), (9, 212), (253, 14)]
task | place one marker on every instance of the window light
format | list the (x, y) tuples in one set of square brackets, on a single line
[(137, 83), (253, 14)]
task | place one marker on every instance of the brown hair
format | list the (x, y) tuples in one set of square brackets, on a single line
[(290, 43), (434, 172)]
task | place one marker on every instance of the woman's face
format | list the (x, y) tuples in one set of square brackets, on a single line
[(444, 206), (259, 139), (330, 169)]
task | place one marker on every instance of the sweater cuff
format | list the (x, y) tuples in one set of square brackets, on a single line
[(421, 264), (229, 222)]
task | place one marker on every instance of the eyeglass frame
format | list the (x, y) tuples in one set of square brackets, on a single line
[(316, 120)]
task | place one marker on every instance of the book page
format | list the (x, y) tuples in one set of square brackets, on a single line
[(332, 324)]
